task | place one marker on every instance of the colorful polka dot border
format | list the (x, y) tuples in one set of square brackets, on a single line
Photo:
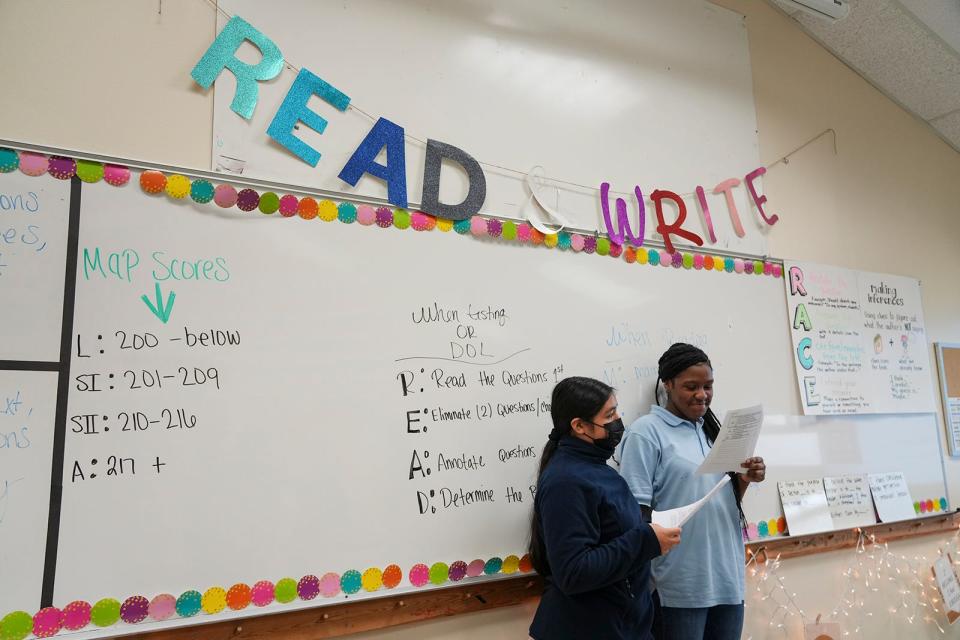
[(47, 622), (930, 505), (766, 528), (778, 526), (77, 615), (9, 160), (201, 191)]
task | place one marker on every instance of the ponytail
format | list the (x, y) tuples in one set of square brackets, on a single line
[(537, 549), (574, 397)]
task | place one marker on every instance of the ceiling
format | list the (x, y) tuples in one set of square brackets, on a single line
[(908, 49)]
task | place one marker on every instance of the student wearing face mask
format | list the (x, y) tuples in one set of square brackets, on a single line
[(587, 535), (701, 585)]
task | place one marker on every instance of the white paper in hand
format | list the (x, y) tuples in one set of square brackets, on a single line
[(737, 441), (679, 516)]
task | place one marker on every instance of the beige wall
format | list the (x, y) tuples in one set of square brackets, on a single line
[(109, 76)]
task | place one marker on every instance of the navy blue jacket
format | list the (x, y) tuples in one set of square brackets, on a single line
[(598, 548)]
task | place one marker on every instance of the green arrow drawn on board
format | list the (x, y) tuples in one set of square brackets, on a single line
[(160, 310)]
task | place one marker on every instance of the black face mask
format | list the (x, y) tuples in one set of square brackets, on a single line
[(614, 435)]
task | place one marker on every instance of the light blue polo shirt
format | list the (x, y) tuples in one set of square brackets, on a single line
[(658, 458)]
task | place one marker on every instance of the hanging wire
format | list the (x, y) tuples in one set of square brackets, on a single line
[(519, 173)]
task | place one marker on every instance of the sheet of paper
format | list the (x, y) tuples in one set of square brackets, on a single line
[(805, 506), (948, 585), (736, 442), (859, 341), (679, 516), (850, 501), (953, 424), (891, 496)]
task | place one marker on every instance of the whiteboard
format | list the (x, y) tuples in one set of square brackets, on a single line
[(274, 415), (616, 95), (300, 462), (27, 404), (808, 447), (33, 241)]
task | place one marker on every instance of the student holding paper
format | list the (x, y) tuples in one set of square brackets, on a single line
[(701, 584), (588, 538)]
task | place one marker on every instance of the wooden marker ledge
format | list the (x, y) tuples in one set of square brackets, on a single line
[(796, 546), (378, 613), (363, 615)]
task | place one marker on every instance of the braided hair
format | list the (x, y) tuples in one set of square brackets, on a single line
[(674, 361), (574, 397)]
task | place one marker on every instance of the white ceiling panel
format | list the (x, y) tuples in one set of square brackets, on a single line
[(908, 49), (948, 126)]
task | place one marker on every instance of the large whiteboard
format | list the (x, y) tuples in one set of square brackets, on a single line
[(618, 95), (300, 462), (298, 439), (305, 450)]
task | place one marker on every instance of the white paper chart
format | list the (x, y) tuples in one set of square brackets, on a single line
[(953, 423), (805, 506), (891, 495), (949, 586), (849, 500), (948, 364), (859, 344)]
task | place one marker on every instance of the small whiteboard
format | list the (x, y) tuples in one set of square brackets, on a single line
[(27, 404), (803, 447), (33, 245)]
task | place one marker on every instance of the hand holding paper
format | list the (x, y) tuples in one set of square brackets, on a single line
[(667, 537), (753, 469), (736, 442)]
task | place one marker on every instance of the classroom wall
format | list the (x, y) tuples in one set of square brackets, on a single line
[(111, 76)]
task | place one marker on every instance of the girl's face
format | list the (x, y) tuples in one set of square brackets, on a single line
[(690, 392), (594, 430)]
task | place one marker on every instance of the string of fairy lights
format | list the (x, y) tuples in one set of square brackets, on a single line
[(905, 584)]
